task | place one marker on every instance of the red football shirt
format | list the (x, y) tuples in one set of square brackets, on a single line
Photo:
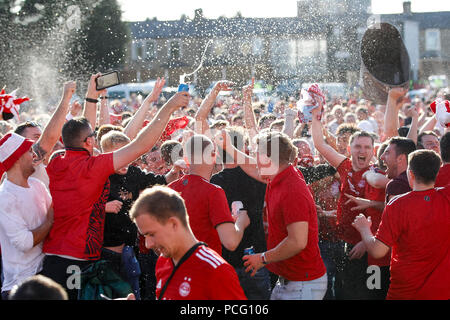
[(207, 207), (375, 194), (79, 187), (352, 183), (205, 275), (416, 226), (289, 200), (443, 177)]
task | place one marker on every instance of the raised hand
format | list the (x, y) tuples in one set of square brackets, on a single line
[(69, 89), (157, 89), (92, 91), (397, 95), (223, 85), (178, 100), (75, 108)]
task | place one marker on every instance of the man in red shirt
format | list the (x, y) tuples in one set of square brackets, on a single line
[(206, 203), (352, 275), (79, 187), (292, 244), (415, 226), (443, 177), (186, 269)]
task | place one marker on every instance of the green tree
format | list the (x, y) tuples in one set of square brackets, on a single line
[(101, 42)]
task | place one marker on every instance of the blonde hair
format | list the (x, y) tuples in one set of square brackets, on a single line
[(112, 139)]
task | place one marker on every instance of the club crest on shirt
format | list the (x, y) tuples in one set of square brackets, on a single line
[(185, 288)]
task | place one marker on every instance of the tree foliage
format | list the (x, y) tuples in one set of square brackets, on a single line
[(66, 39)]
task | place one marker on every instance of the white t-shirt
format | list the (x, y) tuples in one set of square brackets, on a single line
[(21, 210), (41, 174)]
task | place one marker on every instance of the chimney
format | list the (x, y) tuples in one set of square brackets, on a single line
[(407, 7), (198, 14)]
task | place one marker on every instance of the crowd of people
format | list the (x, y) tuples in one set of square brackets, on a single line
[(226, 197)]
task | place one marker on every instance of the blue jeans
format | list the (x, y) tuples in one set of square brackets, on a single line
[(256, 287), (331, 253)]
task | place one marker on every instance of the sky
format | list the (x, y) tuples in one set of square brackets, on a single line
[(138, 10)]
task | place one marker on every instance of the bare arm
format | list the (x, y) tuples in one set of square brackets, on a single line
[(375, 248), (249, 115), (247, 163), (289, 122), (135, 125), (330, 139), (376, 180), (231, 234), (295, 242), (393, 104), (413, 129), (52, 130), (201, 117), (90, 108), (330, 154), (104, 113), (148, 136), (363, 204), (429, 125)]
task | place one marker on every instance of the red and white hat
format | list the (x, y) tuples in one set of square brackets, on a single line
[(441, 109), (12, 147)]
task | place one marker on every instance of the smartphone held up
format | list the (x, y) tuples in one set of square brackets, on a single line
[(107, 80)]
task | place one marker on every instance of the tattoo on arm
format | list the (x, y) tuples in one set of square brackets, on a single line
[(40, 153)]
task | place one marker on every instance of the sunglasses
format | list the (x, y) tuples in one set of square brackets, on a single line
[(91, 135)]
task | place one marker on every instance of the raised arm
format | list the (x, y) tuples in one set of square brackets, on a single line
[(249, 115), (201, 117), (104, 117), (52, 130), (135, 125), (413, 129), (90, 107), (331, 155), (289, 122), (248, 164), (231, 234), (394, 102), (429, 125), (148, 136)]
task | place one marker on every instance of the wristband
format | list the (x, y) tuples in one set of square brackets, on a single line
[(91, 100), (263, 257)]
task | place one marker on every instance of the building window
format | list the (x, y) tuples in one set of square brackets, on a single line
[(257, 46), (174, 50), (150, 50), (432, 40), (219, 47), (137, 50)]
